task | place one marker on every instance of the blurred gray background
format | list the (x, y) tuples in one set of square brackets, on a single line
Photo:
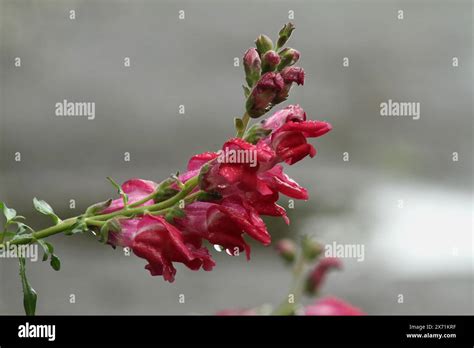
[(423, 250)]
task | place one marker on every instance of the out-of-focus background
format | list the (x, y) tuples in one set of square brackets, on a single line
[(400, 194)]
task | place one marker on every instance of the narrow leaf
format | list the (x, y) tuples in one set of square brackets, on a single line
[(120, 191)]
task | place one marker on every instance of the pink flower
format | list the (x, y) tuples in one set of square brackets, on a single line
[(136, 189), (318, 275), (160, 243), (289, 132), (332, 306)]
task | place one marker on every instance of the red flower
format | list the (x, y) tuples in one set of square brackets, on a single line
[(332, 306), (223, 223), (160, 243), (237, 166), (289, 132), (278, 181)]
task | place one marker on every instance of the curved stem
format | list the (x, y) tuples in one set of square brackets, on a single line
[(98, 220), (188, 187)]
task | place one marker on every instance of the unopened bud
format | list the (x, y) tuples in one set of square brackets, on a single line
[(289, 56), (311, 249), (264, 44), (252, 66), (285, 34), (270, 60), (263, 94), (286, 248)]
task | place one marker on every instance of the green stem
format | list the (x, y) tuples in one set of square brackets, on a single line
[(95, 222), (98, 220), (286, 308), (188, 187)]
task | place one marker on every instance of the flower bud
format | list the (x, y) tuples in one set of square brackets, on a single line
[(263, 94), (285, 34), (264, 44), (289, 56), (271, 59), (318, 275), (289, 75), (311, 249), (252, 66), (286, 248)]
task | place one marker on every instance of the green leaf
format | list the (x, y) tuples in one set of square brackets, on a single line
[(29, 294), (9, 213), (47, 248), (98, 207), (55, 262), (23, 228), (120, 191), (44, 208)]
